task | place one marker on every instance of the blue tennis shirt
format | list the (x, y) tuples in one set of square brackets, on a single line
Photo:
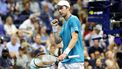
[(72, 24)]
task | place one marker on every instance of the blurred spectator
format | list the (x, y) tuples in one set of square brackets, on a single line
[(9, 26), (3, 9), (48, 3), (47, 16), (22, 59), (37, 43), (44, 35), (50, 41), (111, 62), (28, 26), (113, 47), (37, 26), (5, 61), (87, 64), (20, 35), (27, 46), (110, 65), (99, 64), (13, 46), (34, 7), (78, 7), (26, 12), (19, 5), (86, 32), (11, 6), (95, 33), (54, 2), (94, 48), (53, 50)]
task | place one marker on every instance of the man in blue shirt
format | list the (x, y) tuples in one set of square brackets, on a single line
[(70, 34)]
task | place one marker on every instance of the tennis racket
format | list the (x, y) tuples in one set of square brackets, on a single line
[(49, 61)]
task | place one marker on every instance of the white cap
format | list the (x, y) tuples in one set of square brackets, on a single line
[(98, 27), (63, 2)]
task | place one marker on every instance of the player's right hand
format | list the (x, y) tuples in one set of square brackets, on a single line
[(54, 22)]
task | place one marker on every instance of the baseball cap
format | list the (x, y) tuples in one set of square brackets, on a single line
[(63, 3), (98, 27)]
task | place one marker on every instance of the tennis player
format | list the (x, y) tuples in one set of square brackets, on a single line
[(70, 35)]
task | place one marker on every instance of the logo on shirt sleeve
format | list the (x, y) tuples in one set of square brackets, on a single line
[(76, 28)]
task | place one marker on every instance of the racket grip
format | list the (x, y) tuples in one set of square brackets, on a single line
[(74, 56)]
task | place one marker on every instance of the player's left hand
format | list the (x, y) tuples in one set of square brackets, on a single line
[(62, 56)]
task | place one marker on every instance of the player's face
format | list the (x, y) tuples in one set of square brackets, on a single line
[(63, 10)]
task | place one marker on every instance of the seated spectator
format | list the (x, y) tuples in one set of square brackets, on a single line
[(95, 48), (9, 26), (110, 60), (28, 25), (95, 33), (22, 59), (21, 36), (3, 9), (5, 61), (13, 46), (11, 7), (44, 35), (19, 5), (26, 12), (99, 64), (110, 64), (87, 64), (50, 40), (46, 16), (37, 44), (34, 7), (53, 50)]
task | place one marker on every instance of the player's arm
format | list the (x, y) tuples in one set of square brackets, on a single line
[(55, 26), (57, 37), (72, 42), (70, 46), (74, 34)]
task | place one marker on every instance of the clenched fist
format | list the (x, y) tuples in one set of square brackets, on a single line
[(54, 22)]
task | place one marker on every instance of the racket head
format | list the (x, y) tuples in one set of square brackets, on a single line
[(46, 58)]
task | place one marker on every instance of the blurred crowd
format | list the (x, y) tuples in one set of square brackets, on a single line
[(25, 26)]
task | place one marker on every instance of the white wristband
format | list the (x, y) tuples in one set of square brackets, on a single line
[(67, 50), (54, 28)]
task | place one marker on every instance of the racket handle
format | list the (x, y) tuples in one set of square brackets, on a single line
[(74, 56)]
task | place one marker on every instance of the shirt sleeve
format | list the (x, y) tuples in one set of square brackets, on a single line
[(74, 25)]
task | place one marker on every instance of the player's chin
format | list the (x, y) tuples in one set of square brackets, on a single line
[(62, 14)]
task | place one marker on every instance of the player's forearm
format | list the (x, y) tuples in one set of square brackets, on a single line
[(72, 43), (57, 38)]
